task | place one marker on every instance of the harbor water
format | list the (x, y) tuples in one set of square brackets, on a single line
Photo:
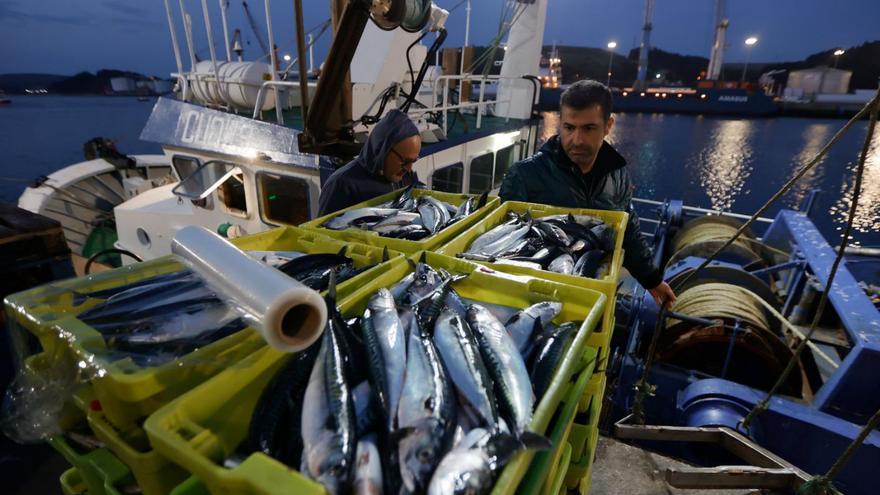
[(734, 164)]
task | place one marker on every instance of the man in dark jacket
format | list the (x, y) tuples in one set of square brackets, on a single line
[(578, 169), (383, 165)]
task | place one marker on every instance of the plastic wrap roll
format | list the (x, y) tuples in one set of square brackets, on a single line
[(290, 315)]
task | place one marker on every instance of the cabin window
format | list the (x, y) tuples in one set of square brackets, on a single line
[(448, 179), (503, 160), (284, 199), (232, 195), (184, 166), (481, 173)]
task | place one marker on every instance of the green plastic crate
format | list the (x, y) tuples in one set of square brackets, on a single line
[(128, 392), (72, 483), (192, 486), (96, 472), (403, 245), (203, 427), (607, 284), (154, 473)]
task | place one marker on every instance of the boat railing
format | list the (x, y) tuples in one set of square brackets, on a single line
[(444, 83)]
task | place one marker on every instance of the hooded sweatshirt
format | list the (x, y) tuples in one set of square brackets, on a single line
[(362, 178)]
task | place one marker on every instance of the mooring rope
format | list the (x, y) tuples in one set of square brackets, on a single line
[(706, 233), (643, 389), (717, 300)]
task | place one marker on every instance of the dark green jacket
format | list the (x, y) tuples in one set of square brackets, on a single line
[(549, 177)]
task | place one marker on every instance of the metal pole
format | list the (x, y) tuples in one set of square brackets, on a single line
[(610, 60), (225, 28), (210, 32), (748, 56), (174, 38), (311, 54), (467, 32), (301, 54), (273, 60), (187, 30)]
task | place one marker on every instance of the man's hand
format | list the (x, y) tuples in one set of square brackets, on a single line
[(663, 295)]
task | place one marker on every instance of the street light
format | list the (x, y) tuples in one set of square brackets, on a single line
[(750, 42), (837, 54), (611, 46), (286, 57)]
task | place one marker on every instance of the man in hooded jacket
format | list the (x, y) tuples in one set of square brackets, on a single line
[(578, 169), (383, 165)]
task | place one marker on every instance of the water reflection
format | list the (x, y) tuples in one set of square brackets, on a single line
[(867, 217), (549, 127), (724, 163), (815, 137)]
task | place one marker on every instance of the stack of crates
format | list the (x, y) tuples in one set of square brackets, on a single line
[(584, 430), (114, 396), (170, 429), (205, 427)]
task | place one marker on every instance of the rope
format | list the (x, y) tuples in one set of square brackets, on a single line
[(643, 388), (764, 403), (717, 300), (709, 232)]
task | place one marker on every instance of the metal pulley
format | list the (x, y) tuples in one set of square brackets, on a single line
[(409, 15)]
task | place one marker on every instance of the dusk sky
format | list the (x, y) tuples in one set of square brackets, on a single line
[(65, 37)]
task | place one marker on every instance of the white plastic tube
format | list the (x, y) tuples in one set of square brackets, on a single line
[(289, 315)]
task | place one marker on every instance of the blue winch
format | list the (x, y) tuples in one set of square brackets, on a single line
[(733, 331)]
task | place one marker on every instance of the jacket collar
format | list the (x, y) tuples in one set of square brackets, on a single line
[(607, 160)]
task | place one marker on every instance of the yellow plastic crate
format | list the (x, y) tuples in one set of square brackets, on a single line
[(430, 243), (557, 486), (546, 464), (128, 392), (607, 284), (192, 486), (203, 427)]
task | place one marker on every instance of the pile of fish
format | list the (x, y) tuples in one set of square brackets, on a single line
[(407, 216), (569, 244), (159, 318), (424, 392)]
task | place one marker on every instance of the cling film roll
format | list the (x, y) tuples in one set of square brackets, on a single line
[(289, 315)]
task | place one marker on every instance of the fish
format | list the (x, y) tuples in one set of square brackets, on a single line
[(442, 211), (144, 298), (404, 200), (399, 289), (384, 338), (461, 357), (425, 281), (548, 355), (160, 280), (504, 242), (358, 216), (588, 264), (521, 326), (563, 263), (394, 222), (508, 371), (368, 468), (426, 413), (554, 234), (413, 232), (274, 427), (486, 239), (469, 469), (328, 419)]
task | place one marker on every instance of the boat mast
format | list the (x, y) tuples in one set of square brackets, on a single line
[(645, 47), (717, 56)]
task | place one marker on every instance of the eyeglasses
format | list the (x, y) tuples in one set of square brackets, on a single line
[(404, 161)]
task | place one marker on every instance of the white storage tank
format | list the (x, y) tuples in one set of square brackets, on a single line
[(122, 84), (824, 80), (239, 84)]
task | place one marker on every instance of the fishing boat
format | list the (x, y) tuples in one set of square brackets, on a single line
[(4, 100), (248, 150)]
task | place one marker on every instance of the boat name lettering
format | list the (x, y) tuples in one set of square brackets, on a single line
[(737, 99)]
